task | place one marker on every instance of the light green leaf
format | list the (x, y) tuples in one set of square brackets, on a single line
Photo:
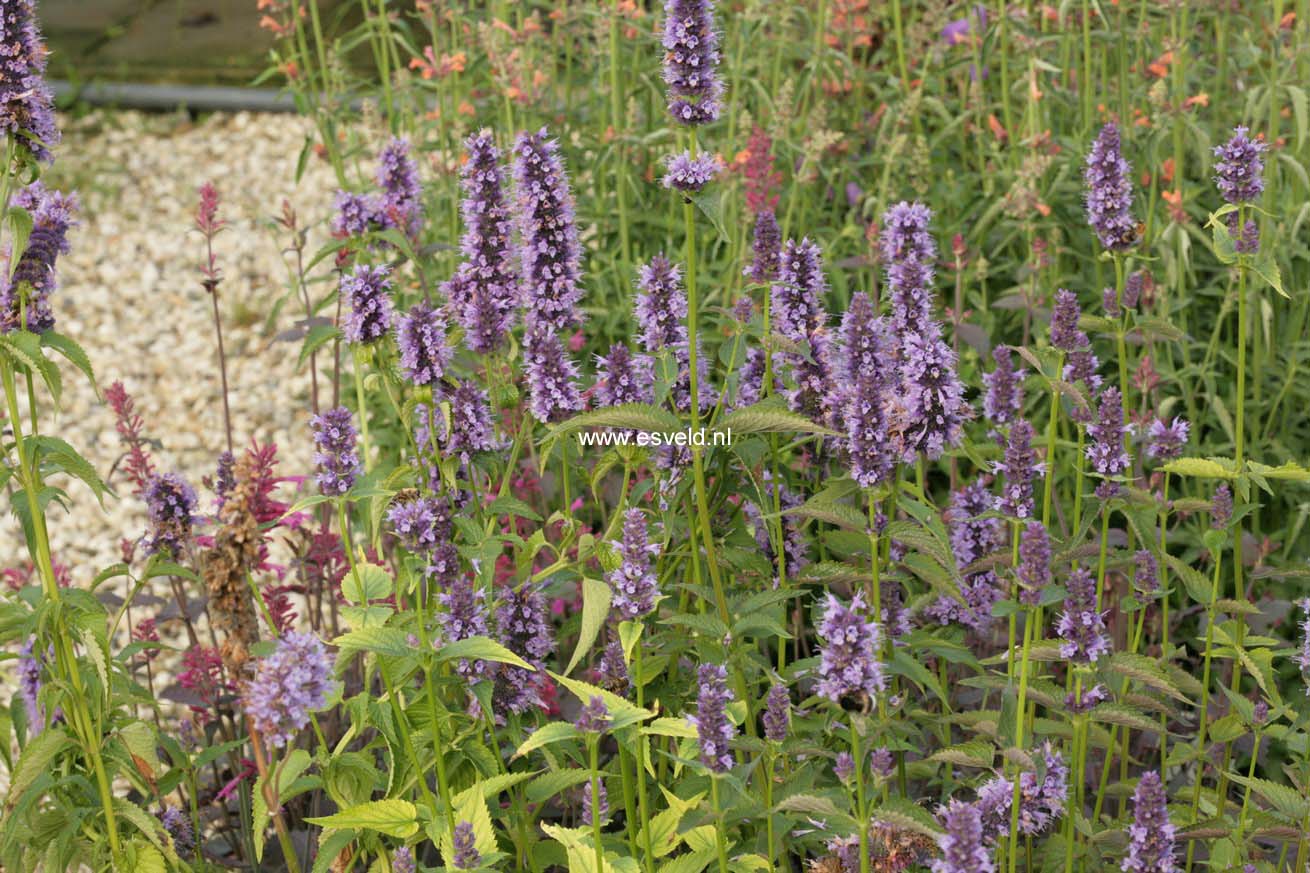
[(596, 597), (392, 816)]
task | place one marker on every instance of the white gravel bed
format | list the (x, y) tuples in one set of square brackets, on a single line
[(130, 293)]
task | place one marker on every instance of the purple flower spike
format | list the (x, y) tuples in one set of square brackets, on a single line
[(471, 428), (689, 174), (402, 192), (843, 767), (368, 291), (713, 729), (464, 847), (1003, 402), (552, 376), (777, 713), (487, 287), (465, 616), (1065, 334), (931, 409), (634, 582), (356, 214), (524, 624), (849, 660), (604, 802), (25, 298), (1085, 700), (661, 306), (551, 253), (335, 454), (1239, 168), (287, 686), (1165, 441), (1146, 576), (867, 357), (1109, 194), (1221, 507), (171, 506), (178, 826), (622, 377), (1151, 835), (1081, 626), (29, 684), (972, 537), (1034, 569), (1106, 451), (594, 717), (402, 861), (416, 523), (1018, 468), (421, 338), (691, 58), (798, 294), (26, 102), (910, 254), (963, 849), (766, 248)]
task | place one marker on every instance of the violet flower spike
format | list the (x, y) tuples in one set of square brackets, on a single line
[(1034, 570), (1165, 441), (931, 409), (421, 338), (690, 173), (849, 663), (1303, 657), (661, 305), (634, 582), (367, 289), (170, 506), (464, 847), (777, 713), (335, 453), (1239, 168), (553, 392), (487, 289), (1018, 468), (1151, 835), (961, 843), (798, 295), (1106, 451), (622, 377), (27, 112), (691, 59), (910, 255), (868, 354), (289, 684), (550, 250), (1109, 196), (766, 248), (1003, 402), (1082, 626), (713, 729), (25, 296), (402, 192)]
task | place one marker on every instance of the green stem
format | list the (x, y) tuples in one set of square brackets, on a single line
[(1205, 699), (593, 750), (861, 809), (720, 837)]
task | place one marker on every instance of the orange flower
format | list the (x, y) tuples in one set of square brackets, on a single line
[(466, 108), (998, 130), (1167, 170), (1202, 99)]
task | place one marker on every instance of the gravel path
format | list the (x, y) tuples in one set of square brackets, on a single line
[(130, 294)]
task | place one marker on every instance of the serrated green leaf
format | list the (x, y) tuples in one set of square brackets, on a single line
[(392, 816), (596, 597)]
